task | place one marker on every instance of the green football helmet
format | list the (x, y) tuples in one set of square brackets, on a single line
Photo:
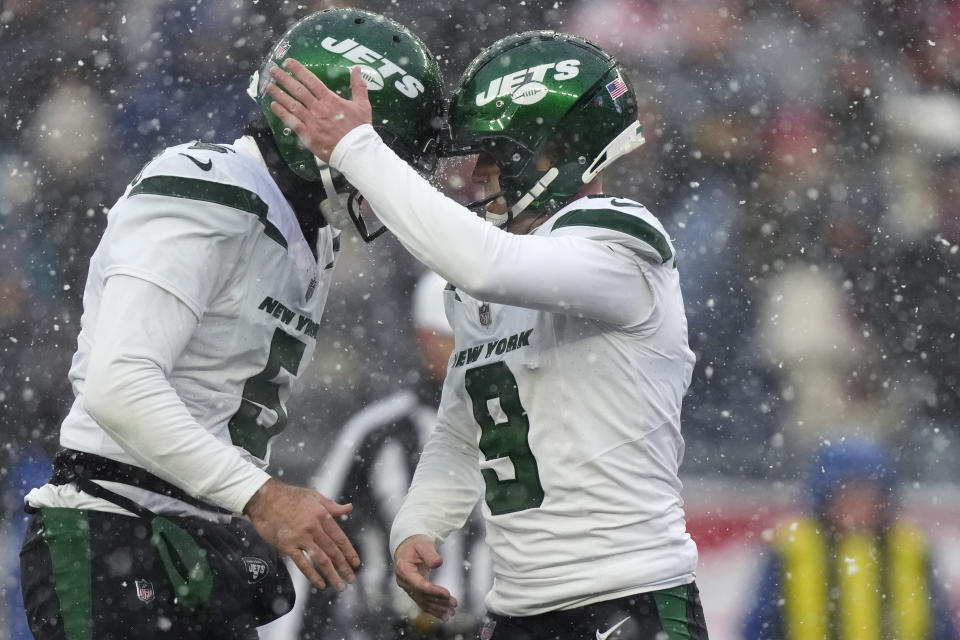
[(405, 85), (542, 94)]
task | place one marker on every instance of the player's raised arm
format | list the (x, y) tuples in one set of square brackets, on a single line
[(572, 274)]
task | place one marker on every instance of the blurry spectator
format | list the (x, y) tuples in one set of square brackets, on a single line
[(851, 568), (199, 57), (806, 330), (370, 464), (69, 129)]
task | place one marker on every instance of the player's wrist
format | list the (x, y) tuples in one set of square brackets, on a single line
[(412, 540), (262, 498), (341, 150)]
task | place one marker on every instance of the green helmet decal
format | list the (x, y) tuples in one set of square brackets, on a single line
[(541, 94), (403, 77)]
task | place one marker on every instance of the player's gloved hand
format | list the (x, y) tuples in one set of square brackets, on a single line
[(414, 559), (302, 523), (315, 113)]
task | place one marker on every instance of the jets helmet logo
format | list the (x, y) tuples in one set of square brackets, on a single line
[(374, 77), (526, 85), (530, 93)]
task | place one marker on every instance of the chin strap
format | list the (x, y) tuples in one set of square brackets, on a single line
[(625, 142), (479, 207), (334, 206), (342, 208), (530, 196), (497, 219)]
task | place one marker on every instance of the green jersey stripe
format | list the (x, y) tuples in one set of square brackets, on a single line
[(67, 535), (620, 222), (227, 195)]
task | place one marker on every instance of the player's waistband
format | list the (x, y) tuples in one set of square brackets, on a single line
[(70, 465)]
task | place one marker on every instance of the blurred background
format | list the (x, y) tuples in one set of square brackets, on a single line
[(804, 155)]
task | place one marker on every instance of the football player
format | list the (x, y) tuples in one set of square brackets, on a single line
[(561, 406), (201, 309)]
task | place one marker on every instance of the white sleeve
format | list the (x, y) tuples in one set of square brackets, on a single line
[(444, 489), (141, 331), (564, 274)]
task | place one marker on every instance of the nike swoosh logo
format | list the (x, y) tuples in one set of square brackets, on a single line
[(204, 166), (624, 203), (603, 636)]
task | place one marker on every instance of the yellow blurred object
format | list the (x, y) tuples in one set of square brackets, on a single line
[(425, 623), (866, 604)]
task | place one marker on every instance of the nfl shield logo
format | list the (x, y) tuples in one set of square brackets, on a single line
[(485, 314), (487, 632), (144, 590), (311, 288)]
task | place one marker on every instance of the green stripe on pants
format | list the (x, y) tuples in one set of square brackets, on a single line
[(67, 535), (672, 609)]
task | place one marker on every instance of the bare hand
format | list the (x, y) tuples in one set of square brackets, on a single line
[(302, 524), (415, 558), (318, 115)]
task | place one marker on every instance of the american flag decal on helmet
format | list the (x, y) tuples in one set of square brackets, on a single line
[(617, 88)]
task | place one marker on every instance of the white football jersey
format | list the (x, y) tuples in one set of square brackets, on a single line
[(577, 423), (208, 224)]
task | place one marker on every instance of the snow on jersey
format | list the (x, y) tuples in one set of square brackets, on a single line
[(207, 223), (577, 423)]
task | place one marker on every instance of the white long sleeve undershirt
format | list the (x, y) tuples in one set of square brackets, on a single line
[(445, 487), (141, 330), (563, 274)]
